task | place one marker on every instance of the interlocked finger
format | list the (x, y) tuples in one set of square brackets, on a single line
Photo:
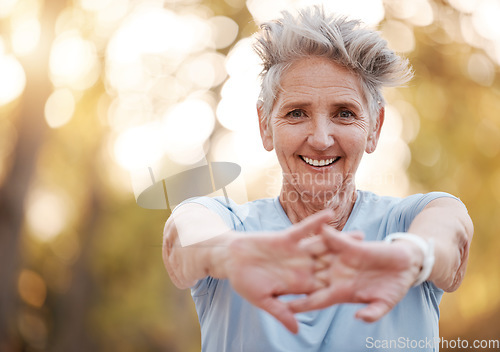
[(315, 246), (323, 261)]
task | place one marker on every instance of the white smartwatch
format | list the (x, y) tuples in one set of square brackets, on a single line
[(427, 247)]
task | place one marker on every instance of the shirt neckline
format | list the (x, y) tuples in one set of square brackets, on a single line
[(350, 219)]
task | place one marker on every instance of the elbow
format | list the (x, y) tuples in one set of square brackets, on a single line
[(458, 272), (173, 268), (172, 258), (178, 281), (456, 280)]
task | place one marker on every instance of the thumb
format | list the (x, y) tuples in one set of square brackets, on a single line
[(357, 235), (311, 225), (281, 312), (373, 311), (338, 242)]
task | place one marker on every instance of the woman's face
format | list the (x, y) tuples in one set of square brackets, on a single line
[(319, 127)]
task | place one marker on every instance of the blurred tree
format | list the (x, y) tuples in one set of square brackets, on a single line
[(101, 276), (456, 94), (31, 129)]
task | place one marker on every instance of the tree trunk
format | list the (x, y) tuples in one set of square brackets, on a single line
[(71, 332), (31, 130)]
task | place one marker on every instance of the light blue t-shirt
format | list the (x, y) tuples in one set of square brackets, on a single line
[(230, 324)]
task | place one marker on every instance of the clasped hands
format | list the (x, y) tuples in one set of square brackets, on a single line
[(327, 266)]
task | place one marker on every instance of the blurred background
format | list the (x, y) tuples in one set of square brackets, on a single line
[(95, 94)]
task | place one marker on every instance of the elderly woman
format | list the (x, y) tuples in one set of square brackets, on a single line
[(324, 266)]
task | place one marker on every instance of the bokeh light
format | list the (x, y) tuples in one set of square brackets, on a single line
[(237, 109), (33, 329), (465, 6), (59, 107), (73, 61), (399, 36), (487, 138), (244, 148), (224, 31), (478, 25), (69, 20), (66, 248), (417, 12), (110, 14), (94, 5), (371, 12), (7, 7), (32, 288), (481, 69), (157, 30), (159, 66), (139, 146), (186, 127), (410, 119), (48, 213), (387, 175), (25, 34), (203, 71), (13, 79), (485, 19), (129, 109)]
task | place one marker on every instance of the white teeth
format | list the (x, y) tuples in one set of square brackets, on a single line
[(314, 162)]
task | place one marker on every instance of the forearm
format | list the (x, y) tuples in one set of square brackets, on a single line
[(195, 245), (447, 223)]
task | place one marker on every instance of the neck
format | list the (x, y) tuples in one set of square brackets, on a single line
[(299, 206)]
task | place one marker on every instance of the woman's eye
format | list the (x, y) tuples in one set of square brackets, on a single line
[(346, 114), (296, 114)]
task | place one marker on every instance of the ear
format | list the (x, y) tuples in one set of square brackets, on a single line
[(374, 133), (265, 130)]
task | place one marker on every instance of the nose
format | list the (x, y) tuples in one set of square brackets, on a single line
[(320, 135)]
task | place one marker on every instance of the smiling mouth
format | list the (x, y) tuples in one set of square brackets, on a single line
[(319, 163)]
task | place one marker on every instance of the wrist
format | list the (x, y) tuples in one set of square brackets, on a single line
[(422, 253), (220, 255), (415, 254)]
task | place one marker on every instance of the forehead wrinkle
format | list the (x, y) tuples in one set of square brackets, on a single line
[(302, 98), (334, 81), (329, 89)]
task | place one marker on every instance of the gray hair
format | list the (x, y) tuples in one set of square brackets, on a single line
[(313, 33)]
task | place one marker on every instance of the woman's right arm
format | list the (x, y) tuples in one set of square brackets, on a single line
[(260, 266), (195, 245)]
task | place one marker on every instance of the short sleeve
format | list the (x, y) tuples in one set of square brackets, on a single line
[(220, 207), (225, 211), (405, 211)]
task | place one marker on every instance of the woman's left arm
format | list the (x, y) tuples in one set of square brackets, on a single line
[(447, 223), (380, 274)]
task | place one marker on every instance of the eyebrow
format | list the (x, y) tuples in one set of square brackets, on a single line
[(306, 104), (295, 105)]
